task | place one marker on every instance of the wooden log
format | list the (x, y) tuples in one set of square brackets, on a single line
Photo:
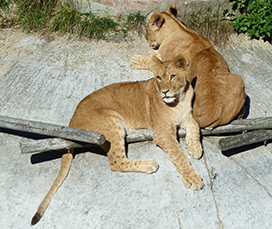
[(52, 130), (37, 146), (237, 126), (139, 135), (245, 139)]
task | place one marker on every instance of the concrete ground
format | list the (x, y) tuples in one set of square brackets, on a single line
[(42, 78)]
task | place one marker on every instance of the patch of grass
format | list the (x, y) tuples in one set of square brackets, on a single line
[(207, 19), (61, 16), (4, 11), (93, 26), (35, 14), (253, 17), (136, 21), (4, 6), (65, 19)]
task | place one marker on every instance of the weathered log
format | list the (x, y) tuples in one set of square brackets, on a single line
[(52, 130), (37, 146), (237, 126), (245, 139)]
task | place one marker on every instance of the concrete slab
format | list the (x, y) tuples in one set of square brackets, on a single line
[(43, 79)]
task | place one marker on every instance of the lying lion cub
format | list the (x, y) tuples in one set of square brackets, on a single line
[(160, 104), (219, 95)]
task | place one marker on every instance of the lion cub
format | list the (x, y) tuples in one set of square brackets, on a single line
[(161, 104), (219, 94)]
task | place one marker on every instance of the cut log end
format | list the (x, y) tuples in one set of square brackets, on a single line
[(101, 139)]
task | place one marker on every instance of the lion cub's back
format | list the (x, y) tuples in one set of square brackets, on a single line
[(118, 96), (129, 99)]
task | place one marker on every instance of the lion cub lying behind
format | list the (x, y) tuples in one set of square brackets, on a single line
[(160, 104)]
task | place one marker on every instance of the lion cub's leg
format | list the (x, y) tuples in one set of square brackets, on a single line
[(118, 161), (193, 137), (168, 142), (156, 54), (141, 62)]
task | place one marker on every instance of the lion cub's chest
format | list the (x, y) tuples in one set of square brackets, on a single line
[(180, 113), (182, 110)]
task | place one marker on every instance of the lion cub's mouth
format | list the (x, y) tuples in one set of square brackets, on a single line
[(168, 99), (155, 46)]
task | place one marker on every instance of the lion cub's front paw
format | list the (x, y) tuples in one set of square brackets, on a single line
[(155, 53), (195, 149), (192, 180), (138, 62)]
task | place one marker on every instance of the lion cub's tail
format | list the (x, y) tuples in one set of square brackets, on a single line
[(66, 162)]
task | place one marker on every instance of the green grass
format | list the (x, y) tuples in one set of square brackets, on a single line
[(96, 27), (65, 19), (207, 19), (59, 16), (35, 14), (4, 5), (253, 17)]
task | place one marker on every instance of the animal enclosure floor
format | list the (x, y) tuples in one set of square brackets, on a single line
[(42, 78)]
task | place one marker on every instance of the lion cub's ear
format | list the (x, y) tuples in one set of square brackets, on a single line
[(173, 10), (157, 20), (181, 62), (156, 64)]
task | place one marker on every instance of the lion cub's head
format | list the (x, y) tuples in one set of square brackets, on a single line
[(154, 32), (171, 78)]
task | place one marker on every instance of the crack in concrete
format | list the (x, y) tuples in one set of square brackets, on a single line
[(219, 222), (180, 222), (259, 183)]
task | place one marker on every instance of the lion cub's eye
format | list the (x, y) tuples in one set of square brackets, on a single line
[(172, 77), (159, 78)]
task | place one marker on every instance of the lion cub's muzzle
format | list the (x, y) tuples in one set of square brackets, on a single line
[(155, 46), (153, 43), (167, 97)]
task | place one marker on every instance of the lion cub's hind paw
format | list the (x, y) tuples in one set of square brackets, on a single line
[(192, 180), (195, 150)]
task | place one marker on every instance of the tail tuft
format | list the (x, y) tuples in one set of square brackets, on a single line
[(36, 218)]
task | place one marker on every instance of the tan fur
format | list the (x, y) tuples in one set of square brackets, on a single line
[(64, 169), (115, 108), (219, 95)]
